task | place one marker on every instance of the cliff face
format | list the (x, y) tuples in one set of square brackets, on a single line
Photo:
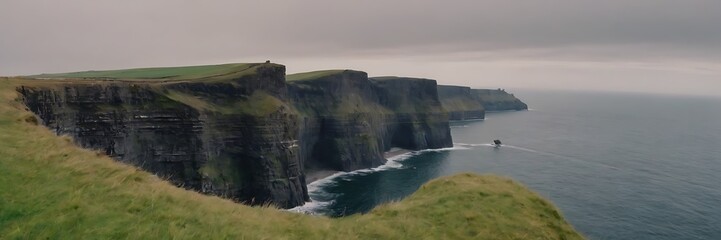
[(342, 121), (232, 136), (498, 100), (242, 131), (460, 103), (349, 120), (464, 103), (420, 121)]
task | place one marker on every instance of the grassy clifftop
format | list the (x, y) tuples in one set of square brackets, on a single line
[(312, 75), (160, 73), (50, 188)]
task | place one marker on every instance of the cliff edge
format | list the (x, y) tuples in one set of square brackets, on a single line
[(224, 130), (240, 131)]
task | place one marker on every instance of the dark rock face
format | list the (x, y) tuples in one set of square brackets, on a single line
[(464, 103), (170, 130), (341, 121), (460, 103), (498, 100), (128, 122), (250, 137), (350, 120), (420, 121)]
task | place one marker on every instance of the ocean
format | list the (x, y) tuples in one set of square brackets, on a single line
[(617, 165)]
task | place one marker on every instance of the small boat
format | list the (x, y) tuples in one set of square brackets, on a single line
[(497, 143)]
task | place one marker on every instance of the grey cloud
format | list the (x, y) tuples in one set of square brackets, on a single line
[(49, 35)]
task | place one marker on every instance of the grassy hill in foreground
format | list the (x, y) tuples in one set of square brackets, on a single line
[(49, 188)]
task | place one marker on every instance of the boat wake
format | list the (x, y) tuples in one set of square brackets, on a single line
[(548, 154), (320, 199)]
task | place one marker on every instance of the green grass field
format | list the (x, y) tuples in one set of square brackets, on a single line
[(52, 189), (163, 73)]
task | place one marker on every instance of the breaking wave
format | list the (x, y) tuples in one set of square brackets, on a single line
[(320, 199)]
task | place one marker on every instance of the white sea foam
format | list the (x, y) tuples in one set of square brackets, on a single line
[(316, 188), (311, 207)]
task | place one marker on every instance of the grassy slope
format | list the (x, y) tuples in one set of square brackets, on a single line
[(165, 73), (49, 188), (257, 104)]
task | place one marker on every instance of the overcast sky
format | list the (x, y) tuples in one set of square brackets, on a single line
[(665, 46)]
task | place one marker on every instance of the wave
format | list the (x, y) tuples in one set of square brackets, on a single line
[(315, 188)]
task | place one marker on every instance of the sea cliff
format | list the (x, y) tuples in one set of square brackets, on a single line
[(498, 100), (240, 131), (461, 103), (231, 135), (349, 120), (464, 103)]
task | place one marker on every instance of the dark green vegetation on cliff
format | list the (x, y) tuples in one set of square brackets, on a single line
[(51, 188)]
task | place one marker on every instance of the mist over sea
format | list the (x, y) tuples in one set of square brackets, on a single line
[(618, 165)]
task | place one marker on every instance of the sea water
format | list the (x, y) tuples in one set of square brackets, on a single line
[(617, 165)]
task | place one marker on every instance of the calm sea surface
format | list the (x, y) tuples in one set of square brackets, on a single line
[(618, 165)]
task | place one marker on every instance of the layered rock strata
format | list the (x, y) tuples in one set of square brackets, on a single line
[(243, 133)]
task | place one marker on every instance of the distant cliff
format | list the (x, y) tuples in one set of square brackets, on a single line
[(240, 130), (349, 120), (461, 103), (498, 100), (464, 103)]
